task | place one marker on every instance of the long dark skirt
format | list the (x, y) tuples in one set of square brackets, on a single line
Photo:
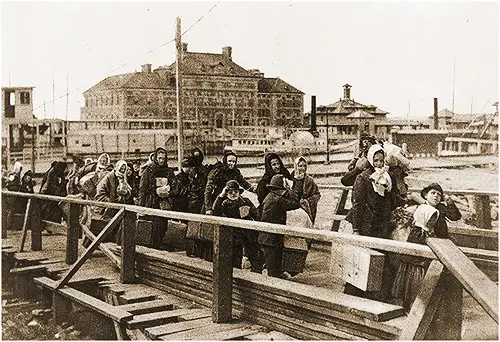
[(407, 282)]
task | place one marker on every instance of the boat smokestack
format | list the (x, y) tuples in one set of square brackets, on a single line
[(313, 113), (436, 122)]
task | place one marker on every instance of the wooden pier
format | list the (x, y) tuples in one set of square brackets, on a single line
[(156, 294)]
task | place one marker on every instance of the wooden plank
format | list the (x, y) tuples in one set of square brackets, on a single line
[(111, 256), (155, 318), (165, 329), (425, 305), (72, 234), (36, 226), (93, 246), (269, 336), (110, 311), (199, 334), (222, 274), (135, 297), (148, 307), (27, 269), (448, 319), (474, 281), (196, 314), (127, 273), (26, 224), (233, 333)]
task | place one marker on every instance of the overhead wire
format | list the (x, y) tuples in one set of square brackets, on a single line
[(135, 59)]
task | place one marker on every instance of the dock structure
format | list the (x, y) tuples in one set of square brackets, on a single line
[(165, 295)]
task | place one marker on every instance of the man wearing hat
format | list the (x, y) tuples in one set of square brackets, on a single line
[(274, 208), (231, 204), (433, 195)]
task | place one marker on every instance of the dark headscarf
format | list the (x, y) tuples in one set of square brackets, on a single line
[(227, 154), (160, 149), (198, 157), (269, 170)]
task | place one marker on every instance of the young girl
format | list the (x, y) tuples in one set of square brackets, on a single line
[(411, 270), (231, 204)]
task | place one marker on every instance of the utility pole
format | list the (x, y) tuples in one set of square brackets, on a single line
[(327, 141), (180, 128), (65, 124), (453, 97)]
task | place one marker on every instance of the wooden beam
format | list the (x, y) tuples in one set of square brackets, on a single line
[(127, 274), (27, 215), (222, 275), (93, 246), (473, 280), (340, 209), (111, 256), (483, 211), (73, 234), (108, 310), (36, 226), (425, 305)]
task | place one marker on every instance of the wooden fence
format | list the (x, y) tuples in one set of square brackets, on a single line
[(435, 288)]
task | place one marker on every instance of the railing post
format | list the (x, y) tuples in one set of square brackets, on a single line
[(73, 234), (129, 223), (36, 226), (340, 209), (483, 211), (222, 274)]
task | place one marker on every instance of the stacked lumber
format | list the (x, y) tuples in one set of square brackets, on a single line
[(298, 310)]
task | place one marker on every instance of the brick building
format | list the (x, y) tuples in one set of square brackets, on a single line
[(220, 95)]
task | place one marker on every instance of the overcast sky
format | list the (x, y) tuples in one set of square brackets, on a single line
[(392, 53)]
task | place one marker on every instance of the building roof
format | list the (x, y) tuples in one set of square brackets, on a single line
[(348, 106), (209, 64), (276, 85), (360, 114), (142, 80)]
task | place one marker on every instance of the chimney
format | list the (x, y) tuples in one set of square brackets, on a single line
[(313, 113), (184, 47), (436, 122), (146, 68), (347, 92), (226, 52)]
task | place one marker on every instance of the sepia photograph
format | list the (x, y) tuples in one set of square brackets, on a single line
[(250, 170)]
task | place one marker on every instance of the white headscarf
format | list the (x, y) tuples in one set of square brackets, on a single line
[(296, 165), (101, 166), (423, 214), (381, 180), (119, 164), (18, 167)]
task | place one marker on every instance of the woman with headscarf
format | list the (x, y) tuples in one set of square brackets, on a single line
[(372, 200), (273, 165), (132, 181), (14, 205), (278, 201), (372, 197), (154, 192), (308, 190), (53, 183), (220, 175), (359, 163), (216, 181), (113, 188), (28, 183), (411, 270)]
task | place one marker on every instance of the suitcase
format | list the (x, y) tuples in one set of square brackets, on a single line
[(294, 254), (143, 233), (176, 235)]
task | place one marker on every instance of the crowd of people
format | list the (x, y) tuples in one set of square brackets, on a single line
[(381, 204)]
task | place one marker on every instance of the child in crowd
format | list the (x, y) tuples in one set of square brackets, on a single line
[(411, 270), (231, 204)]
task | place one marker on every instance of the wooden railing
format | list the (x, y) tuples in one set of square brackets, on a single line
[(470, 277), (481, 203)]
